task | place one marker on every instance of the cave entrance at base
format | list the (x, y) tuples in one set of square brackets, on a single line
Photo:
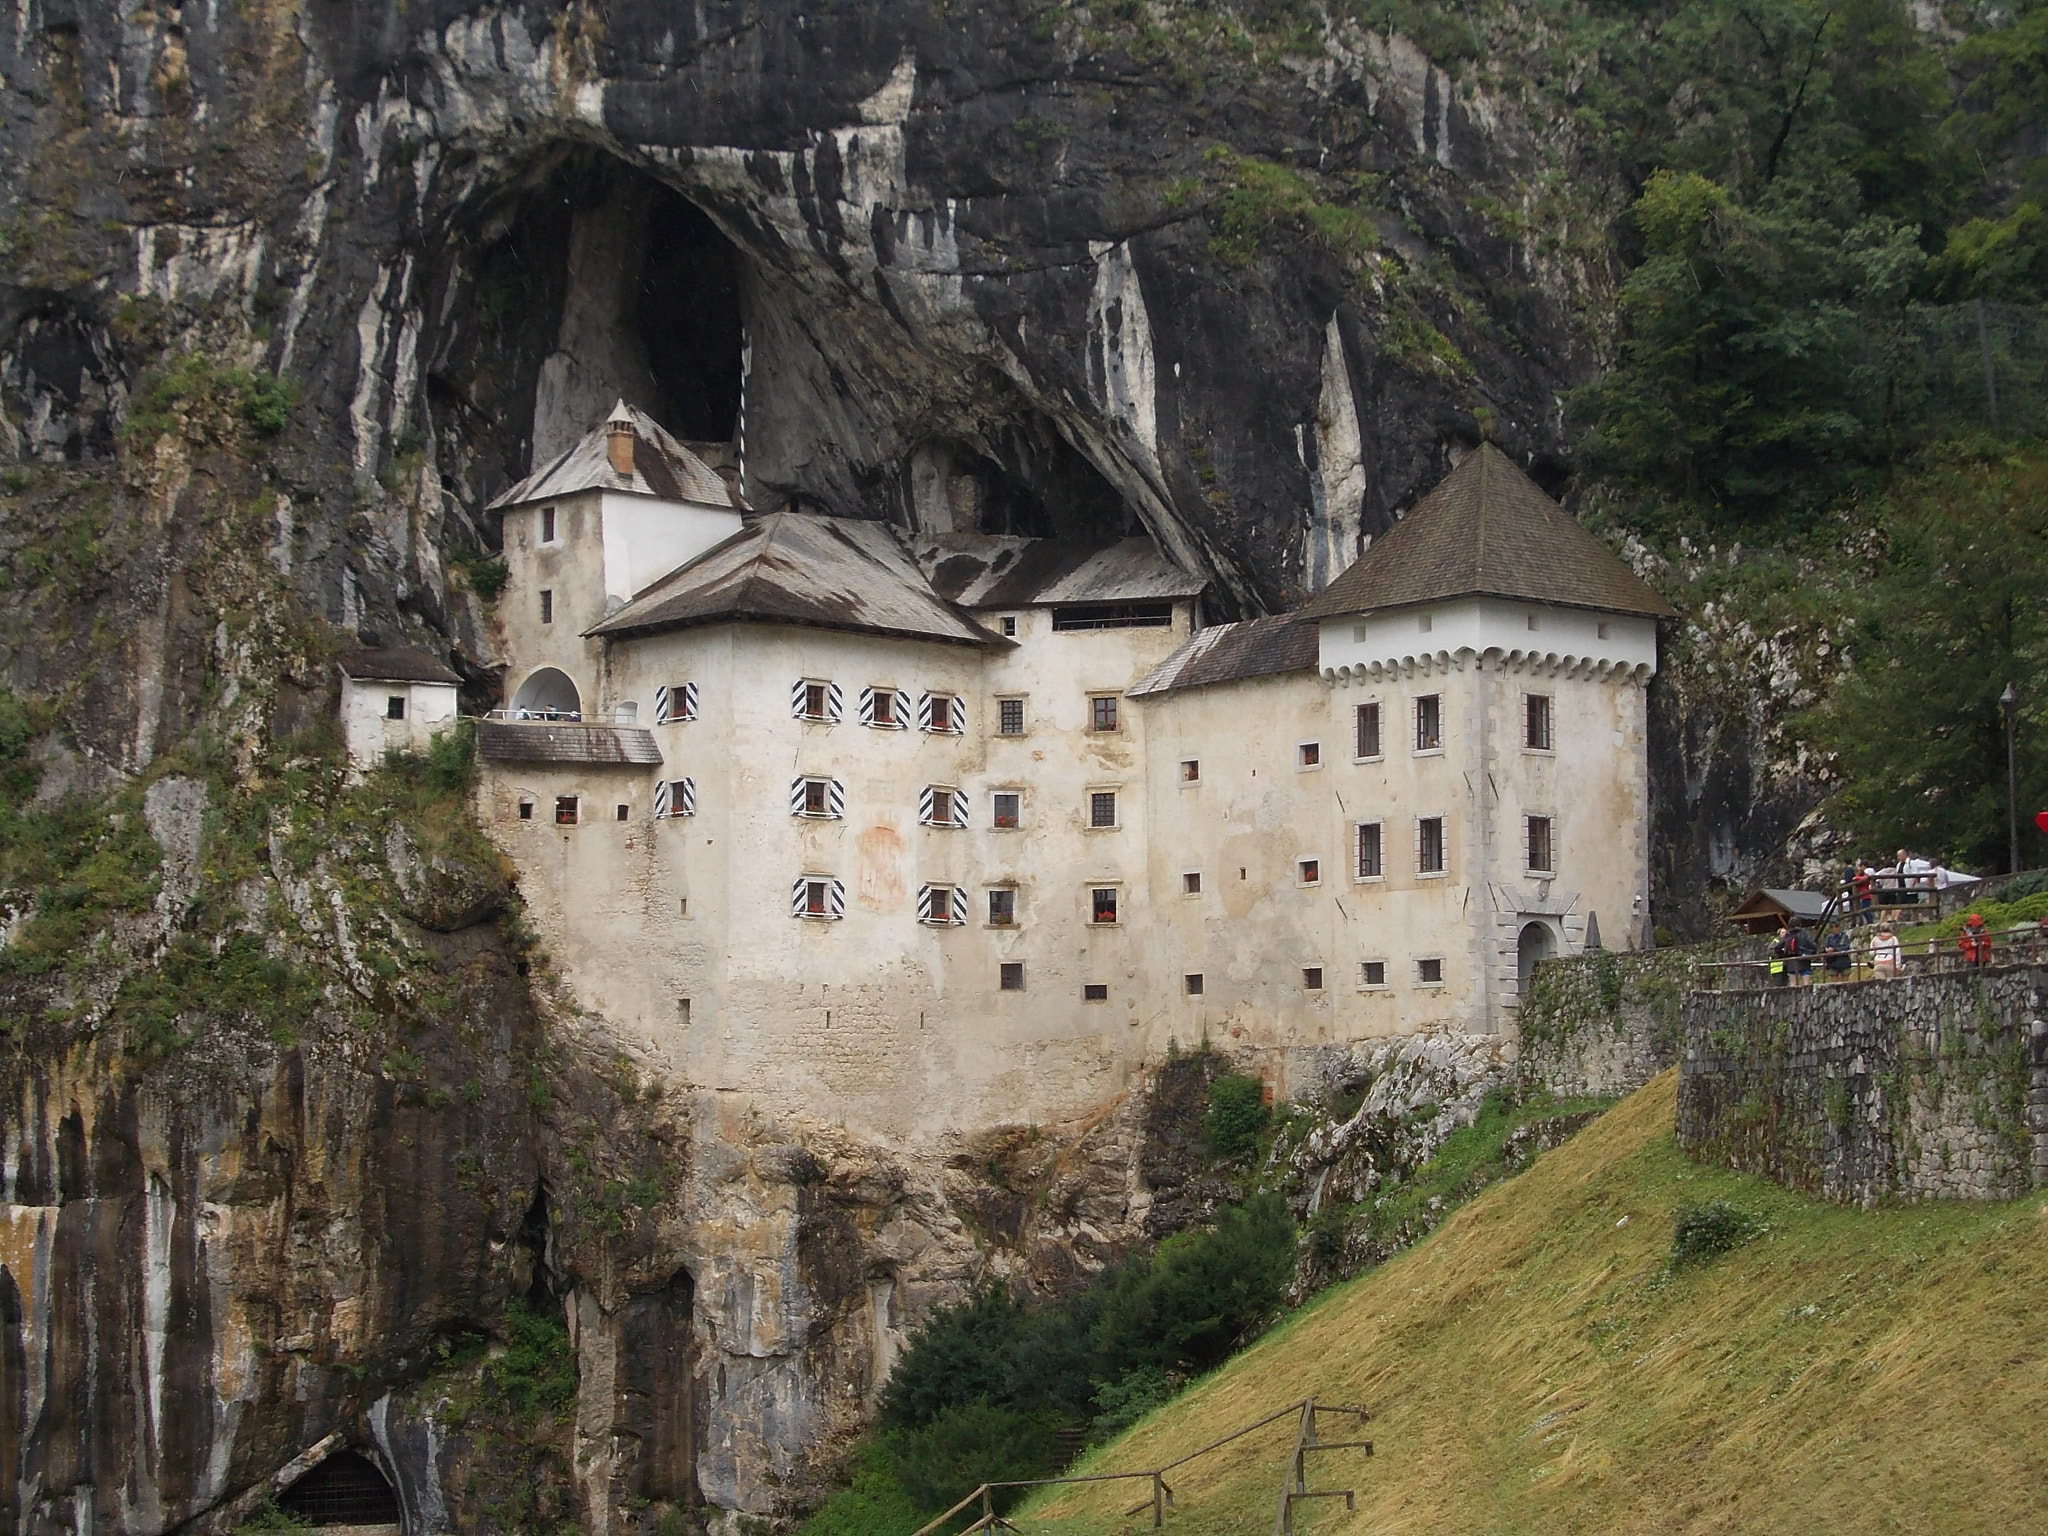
[(1536, 943), (344, 1491), (550, 692)]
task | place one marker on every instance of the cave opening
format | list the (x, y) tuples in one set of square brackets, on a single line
[(345, 1489)]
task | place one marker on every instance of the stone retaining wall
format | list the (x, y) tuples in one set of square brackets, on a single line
[(1920, 1088), (1602, 1024)]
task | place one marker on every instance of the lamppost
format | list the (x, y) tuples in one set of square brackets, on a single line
[(2010, 702)]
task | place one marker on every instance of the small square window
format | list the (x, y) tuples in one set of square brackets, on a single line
[(1372, 973), (1309, 754), (946, 711), (1425, 623), (565, 810), (547, 606), (1010, 975), (938, 905), (1600, 630), (817, 898), (1102, 904), (1008, 807), (1429, 722), (1534, 623), (814, 701), (1310, 871), (1191, 770), (526, 810), (1010, 717), (1430, 972), (1429, 845), (1191, 883), (1312, 978), (816, 801), (394, 707), (1009, 626), (1371, 860), (625, 813), (1102, 808), (1366, 730), (547, 525), (1095, 992), (1536, 721), (1002, 908), (1102, 712), (1192, 983)]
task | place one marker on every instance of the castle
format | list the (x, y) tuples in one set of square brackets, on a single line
[(932, 829)]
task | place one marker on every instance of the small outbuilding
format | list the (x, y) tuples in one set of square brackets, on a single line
[(393, 699), (1765, 910)]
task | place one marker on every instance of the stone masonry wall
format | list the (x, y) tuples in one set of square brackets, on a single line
[(1923, 1088), (1602, 1023)]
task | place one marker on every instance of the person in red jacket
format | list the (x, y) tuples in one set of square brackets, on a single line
[(1975, 941)]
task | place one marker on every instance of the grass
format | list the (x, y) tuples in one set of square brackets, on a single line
[(1540, 1364)]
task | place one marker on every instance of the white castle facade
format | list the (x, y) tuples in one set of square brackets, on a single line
[(939, 830)]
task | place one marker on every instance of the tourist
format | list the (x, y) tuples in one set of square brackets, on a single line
[(1862, 887), (1783, 949), (1803, 949), (1835, 953), (1975, 942), (1884, 952)]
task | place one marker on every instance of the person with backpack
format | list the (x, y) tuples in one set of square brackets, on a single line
[(1834, 951), (1803, 950)]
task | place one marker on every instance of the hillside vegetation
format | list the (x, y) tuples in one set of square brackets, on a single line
[(1539, 1364)]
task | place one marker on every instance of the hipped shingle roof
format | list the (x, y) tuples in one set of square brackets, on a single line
[(1230, 653), (662, 467), (1487, 530), (395, 664)]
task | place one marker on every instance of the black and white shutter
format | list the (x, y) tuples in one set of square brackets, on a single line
[(959, 906), (662, 799), (796, 698), (867, 706), (835, 897), (835, 701), (933, 800), (835, 796), (956, 715), (676, 702), (944, 905), (686, 797), (941, 712), (924, 712)]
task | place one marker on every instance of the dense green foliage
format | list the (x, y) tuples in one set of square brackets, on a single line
[(1703, 1232), (987, 1387), (1236, 1115)]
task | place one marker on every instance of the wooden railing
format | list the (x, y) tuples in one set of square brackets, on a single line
[(1159, 1500)]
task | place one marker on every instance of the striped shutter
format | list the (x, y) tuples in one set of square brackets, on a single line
[(867, 706), (938, 806), (661, 799), (796, 896), (835, 898), (686, 797), (924, 712), (959, 906), (689, 701), (958, 715), (835, 798), (902, 710), (944, 905), (796, 698), (925, 807), (835, 701), (675, 702), (664, 700), (796, 796)]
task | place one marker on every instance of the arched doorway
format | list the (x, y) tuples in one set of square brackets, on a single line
[(549, 694), (345, 1489), (1536, 943)]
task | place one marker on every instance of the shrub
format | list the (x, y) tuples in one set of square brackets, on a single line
[(1236, 1115), (1202, 1294), (965, 1447), (267, 404), (1702, 1233), (537, 1372)]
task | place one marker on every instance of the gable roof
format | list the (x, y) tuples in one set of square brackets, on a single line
[(1765, 906), (1230, 653), (394, 664), (801, 568), (981, 570), (662, 467), (1487, 530)]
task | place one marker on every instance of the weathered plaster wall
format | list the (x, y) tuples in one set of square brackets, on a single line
[(1922, 1088)]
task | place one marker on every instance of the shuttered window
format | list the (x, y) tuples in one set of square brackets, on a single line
[(675, 797), (942, 712), (817, 797), (883, 708), (675, 703), (942, 906), (819, 897), (811, 699), (940, 805)]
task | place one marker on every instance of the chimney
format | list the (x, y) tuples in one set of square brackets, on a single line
[(619, 438)]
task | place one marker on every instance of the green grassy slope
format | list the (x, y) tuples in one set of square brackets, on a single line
[(1534, 1366)]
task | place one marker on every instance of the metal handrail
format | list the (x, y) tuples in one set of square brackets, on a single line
[(1162, 1492), (1931, 956)]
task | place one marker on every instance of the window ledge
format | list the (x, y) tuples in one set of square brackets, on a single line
[(1368, 879), (1432, 874), (1539, 874), (1428, 752), (1539, 751), (1377, 757)]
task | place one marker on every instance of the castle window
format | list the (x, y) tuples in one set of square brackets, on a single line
[(942, 806), (1102, 712), (394, 707), (883, 708), (818, 897), (1536, 721), (1425, 623), (547, 525), (1371, 851), (1192, 983), (1010, 717), (1010, 626), (1600, 630), (1102, 808), (1366, 730), (1312, 978), (943, 713), (526, 810), (1372, 973), (1002, 907), (1309, 755), (675, 703), (1191, 883), (1095, 992), (1430, 972), (1007, 808), (1429, 845), (565, 810), (1309, 871), (817, 797), (1010, 975), (942, 906), (1102, 904), (1429, 722), (675, 797), (1539, 845), (625, 813), (1191, 770), (810, 699), (547, 606)]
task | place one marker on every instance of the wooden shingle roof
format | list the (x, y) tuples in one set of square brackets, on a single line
[(1487, 530), (662, 467), (598, 746), (1231, 653)]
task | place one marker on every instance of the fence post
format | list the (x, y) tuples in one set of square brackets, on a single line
[(1158, 1501)]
